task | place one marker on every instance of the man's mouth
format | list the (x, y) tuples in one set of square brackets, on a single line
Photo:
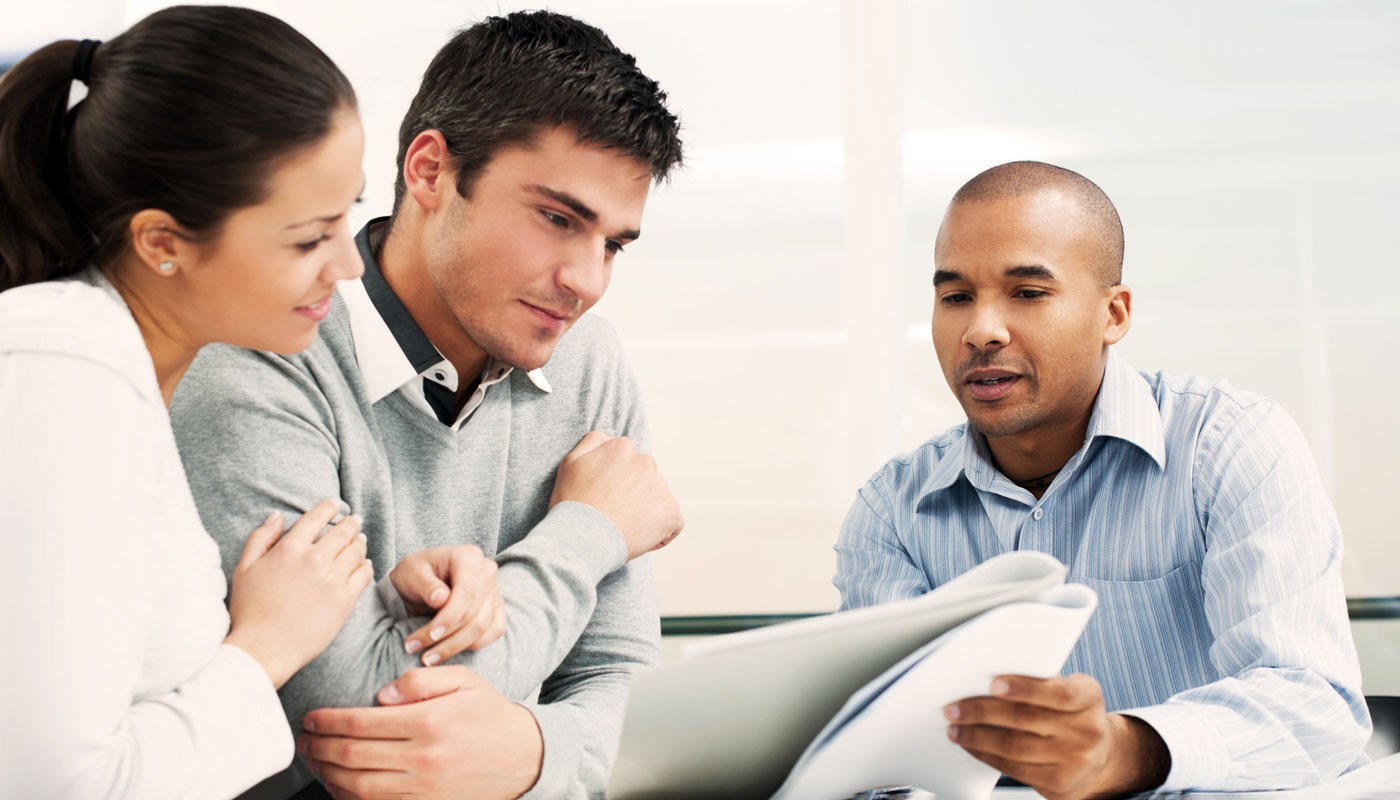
[(990, 384), (551, 318)]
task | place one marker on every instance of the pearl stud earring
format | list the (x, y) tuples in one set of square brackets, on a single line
[(167, 266)]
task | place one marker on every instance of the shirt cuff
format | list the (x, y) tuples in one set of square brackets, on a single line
[(1200, 755), (392, 600), (563, 747), (260, 709)]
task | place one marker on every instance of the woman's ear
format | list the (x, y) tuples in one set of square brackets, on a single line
[(159, 242)]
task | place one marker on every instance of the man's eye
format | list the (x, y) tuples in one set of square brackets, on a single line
[(1031, 294), (614, 246), (954, 298), (556, 219)]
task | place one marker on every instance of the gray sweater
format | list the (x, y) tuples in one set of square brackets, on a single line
[(258, 431)]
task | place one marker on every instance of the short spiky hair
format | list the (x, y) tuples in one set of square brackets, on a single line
[(507, 80)]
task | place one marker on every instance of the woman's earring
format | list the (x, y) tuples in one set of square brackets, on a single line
[(167, 266)]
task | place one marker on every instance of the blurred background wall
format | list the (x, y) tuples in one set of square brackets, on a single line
[(777, 309)]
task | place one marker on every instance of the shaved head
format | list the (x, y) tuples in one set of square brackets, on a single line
[(1097, 214)]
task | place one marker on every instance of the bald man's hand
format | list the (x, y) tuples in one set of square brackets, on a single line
[(1054, 735)]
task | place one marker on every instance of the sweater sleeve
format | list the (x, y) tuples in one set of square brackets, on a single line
[(584, 702), (80, 487), (256, 433)]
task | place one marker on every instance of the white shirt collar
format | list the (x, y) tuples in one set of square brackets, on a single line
[(383, 365)]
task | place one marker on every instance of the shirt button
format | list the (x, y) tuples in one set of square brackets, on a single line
[(1037, 514), (440, 376)]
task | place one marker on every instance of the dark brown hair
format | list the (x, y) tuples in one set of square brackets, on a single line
[(507, 80), (189, 111)]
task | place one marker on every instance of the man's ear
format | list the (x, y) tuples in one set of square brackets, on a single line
[(1120, 313), (427, 169), (160, 244)]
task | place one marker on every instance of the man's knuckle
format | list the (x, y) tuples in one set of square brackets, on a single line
[(410, 682), (1023, 716)]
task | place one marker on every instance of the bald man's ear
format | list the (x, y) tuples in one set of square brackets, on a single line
[(1120, 313)]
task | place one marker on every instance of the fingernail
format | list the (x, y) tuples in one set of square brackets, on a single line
[(309, 724), (437, 633), (412, 646), (272, 517), (313, 765), (390, 694), (952, 712), (1000, 687), (431, 659), (357, 519), (363, 538), (439, 596), (953, 732), (301, 745)]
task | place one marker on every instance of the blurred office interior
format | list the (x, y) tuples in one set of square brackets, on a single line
[(777, 309)]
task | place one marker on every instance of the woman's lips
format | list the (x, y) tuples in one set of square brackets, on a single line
[(316, 311)]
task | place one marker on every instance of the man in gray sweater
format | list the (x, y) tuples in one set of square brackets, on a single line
[(455, 396)]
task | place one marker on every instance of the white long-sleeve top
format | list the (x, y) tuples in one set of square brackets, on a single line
[(115, 681)]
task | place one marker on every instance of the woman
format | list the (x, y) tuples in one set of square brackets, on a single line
[(197, 194)]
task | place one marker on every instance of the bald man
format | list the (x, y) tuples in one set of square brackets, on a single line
[(1220, 656)]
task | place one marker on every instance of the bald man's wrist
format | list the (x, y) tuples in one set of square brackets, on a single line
[(1139, 761)]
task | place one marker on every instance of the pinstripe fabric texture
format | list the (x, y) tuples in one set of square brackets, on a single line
[(1196, 513)]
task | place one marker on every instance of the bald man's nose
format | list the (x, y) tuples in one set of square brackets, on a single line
[(986, 328)]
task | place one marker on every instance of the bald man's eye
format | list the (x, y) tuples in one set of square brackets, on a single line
[(955, 298), (1031, 294)]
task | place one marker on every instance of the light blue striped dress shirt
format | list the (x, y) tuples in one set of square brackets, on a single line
[(1196, 513)]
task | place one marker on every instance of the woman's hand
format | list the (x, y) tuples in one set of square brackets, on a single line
[(459, 583), (292, 592)]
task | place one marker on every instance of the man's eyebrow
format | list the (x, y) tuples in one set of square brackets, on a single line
[(331, 219), (942, 276), (1034, 271), (578, 207)]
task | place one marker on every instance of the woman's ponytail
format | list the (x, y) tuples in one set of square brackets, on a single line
[(40, 237)]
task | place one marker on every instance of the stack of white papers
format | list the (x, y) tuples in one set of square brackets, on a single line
[(828, 706)]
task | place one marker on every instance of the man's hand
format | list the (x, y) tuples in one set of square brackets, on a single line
[(1054, 735), (459, 583), (442, 733), (607, 473)]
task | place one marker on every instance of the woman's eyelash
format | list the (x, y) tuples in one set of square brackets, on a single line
[(307, 247)]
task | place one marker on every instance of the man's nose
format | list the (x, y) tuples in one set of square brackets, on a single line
[(987, 327), (586, 272)]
